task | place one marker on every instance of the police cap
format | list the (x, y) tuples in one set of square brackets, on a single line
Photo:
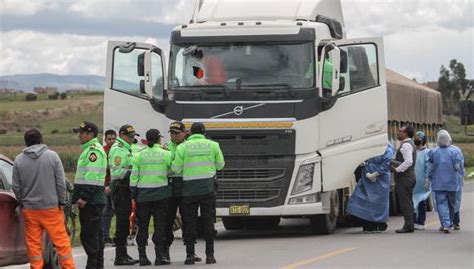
[(177, 127), (128, 130), (198, 128), (87, 126)]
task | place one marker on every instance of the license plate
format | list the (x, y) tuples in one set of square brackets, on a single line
[(239, 210)]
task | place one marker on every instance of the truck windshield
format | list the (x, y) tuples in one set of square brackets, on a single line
[(242, 66)]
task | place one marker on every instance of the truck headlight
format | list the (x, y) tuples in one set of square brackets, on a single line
[(306, 199), (304, 179)]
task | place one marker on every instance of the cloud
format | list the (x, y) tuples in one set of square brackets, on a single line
[(54, 21), (421, 54), (161, 11), (25, 7), (386, 17), (69, 37), (36, 52)]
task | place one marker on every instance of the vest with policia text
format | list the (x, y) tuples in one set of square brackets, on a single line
[(149, 178), (198, 159), (120, 164), (90, 174)]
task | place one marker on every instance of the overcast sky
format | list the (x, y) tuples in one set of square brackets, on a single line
[(70, 37)]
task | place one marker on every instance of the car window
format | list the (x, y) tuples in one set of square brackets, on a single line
[(7, 171)]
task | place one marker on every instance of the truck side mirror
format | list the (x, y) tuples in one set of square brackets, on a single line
[(141, 65), (330, 66)]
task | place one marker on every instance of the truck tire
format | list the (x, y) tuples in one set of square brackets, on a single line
[(232, 223), (326, 223)]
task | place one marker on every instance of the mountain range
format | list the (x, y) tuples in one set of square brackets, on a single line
[(27, 82)]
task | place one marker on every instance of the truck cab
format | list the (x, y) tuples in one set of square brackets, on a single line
[(295, 106)]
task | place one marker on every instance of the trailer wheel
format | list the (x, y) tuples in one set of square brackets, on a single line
[(232, 223), (326, 223)]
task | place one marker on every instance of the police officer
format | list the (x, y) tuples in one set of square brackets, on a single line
[(198, 159), (178, 135), (120, 163), (89, 193), (150, 190)]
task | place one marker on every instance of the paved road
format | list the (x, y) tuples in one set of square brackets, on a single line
[(292, 246)]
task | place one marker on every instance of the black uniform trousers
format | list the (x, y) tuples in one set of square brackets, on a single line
[(174, 203), (122, 200), (190, 206), (404, 186), (92, 237), (159, 211)]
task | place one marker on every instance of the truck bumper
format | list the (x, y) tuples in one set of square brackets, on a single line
[(285, 210)]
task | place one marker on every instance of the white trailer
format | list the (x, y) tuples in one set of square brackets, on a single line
[(295, 106)]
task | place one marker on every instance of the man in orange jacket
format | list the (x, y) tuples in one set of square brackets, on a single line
[(39, 185)]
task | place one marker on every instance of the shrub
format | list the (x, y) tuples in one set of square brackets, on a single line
[(63, 95), (31, 97), (53, 96)]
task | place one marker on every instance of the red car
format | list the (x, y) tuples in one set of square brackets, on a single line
[(12, 237)]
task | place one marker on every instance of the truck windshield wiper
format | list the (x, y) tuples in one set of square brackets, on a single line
[(223, 87), (277, 84)]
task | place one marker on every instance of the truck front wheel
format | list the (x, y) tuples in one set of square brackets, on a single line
[(326, 223)]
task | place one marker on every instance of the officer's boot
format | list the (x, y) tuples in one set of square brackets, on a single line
[(121, 257), (189, 254), (132, 259), (91, 263), (167, 252), (210, 253), (161, 258), (197, 258), (142, 258), (100, 263)]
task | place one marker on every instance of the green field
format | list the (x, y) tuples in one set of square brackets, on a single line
[(55, 119)]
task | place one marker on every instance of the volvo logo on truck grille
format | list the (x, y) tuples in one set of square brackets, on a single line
[(238, 110)]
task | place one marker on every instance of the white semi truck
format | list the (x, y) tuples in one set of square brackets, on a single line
[(295, 106)]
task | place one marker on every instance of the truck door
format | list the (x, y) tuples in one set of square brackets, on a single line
[(135, 83), (353, 124)]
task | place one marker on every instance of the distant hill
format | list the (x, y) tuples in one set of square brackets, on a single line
[(27, 82)]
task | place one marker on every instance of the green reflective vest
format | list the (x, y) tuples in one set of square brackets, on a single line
[(90, 173), (198, 159), (120, 164), (176, 179), (135, 148), (149, 178)]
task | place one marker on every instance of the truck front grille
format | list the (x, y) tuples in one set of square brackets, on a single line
[(247, 195), (251, 174)]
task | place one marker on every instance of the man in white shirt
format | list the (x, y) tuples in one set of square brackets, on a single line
[(405, 178)]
